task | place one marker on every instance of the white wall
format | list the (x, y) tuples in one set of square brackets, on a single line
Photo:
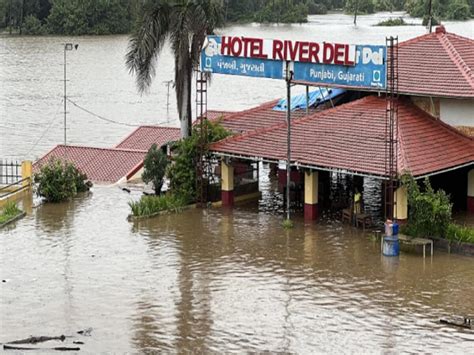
[(457, 112)]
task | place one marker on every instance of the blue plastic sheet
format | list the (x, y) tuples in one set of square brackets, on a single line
[(316, 98)]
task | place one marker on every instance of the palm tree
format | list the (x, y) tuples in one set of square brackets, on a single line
[(185, 23)]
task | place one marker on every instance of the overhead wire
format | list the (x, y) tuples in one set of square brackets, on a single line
[(48, 127), (108, 120)]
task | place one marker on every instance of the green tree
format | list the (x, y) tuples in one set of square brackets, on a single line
[(458, 10), (33, 26), (154, 168), (185, 23)]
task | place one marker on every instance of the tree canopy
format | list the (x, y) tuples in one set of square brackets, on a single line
[(81, 17)]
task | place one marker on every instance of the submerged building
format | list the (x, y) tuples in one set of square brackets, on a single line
[(435, 121)]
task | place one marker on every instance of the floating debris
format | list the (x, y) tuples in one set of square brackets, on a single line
[(35, 340), (459, 321), (86, 332)]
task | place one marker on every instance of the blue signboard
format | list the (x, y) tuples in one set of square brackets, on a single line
[(368, 69)]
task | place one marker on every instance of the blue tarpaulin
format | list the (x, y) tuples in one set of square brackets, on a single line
[(316, 98)]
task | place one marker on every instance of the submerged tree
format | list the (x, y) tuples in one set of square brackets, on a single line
[(185, 23)]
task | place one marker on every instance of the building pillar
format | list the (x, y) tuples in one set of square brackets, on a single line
[(311, 195), (26, 172), (470, 191), (400, 212), (227, 189)]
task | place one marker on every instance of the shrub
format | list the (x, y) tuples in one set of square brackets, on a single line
[(10, 210), (154, 168), (150, 205), (287, 224), (392, 22), (429, 211), (457, 233), (59, 181)]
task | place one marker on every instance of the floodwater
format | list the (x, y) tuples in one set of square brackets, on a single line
[(222, 280), (202, 280)]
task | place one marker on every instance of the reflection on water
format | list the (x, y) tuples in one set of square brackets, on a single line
[(223, 280)]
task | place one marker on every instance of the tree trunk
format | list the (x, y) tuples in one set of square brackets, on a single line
[(186, 112)]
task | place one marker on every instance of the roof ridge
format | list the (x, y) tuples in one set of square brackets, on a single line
[(457, 58), (153, 126), (102, 148)]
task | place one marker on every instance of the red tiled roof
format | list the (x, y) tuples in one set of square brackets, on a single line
[(258, 117), (351, 137), (437, 64), (99, 164), (145, 136), (214, 114)]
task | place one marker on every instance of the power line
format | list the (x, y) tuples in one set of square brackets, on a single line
[(48, 127), (108, 120)]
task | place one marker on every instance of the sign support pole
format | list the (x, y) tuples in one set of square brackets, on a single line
[(289, 75)]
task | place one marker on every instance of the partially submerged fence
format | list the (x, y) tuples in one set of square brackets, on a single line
[(15, 179)]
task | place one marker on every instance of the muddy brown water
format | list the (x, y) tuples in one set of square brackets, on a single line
[(222, 280)]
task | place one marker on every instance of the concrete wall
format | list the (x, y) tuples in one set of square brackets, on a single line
[(457, 112)]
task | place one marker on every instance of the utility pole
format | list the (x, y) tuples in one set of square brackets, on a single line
[(430, 16), (67, 47), (168, 83), (289, 76)]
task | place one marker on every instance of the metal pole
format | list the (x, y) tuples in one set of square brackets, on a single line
[(65, 142), (430, 15), (288, 120), (307, 99)]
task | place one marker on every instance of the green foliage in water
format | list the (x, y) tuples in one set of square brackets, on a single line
[(182, 172), (59, 181), (429, 213), (392, 22), (287, 224), (155, 167), (458, 233), (10, 210), (151, 205)]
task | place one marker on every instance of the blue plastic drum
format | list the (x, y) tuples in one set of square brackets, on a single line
[(391, 246)]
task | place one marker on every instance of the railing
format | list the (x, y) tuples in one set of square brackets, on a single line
[(15, 177), (10, 172), (15, 187)]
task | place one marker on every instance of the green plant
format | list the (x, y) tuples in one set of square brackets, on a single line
[(457, 233), (182, 172), (150, 205), (58, 181), (287, 224), (429, 211), (392, 22), (154, 168), (10, 210)]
